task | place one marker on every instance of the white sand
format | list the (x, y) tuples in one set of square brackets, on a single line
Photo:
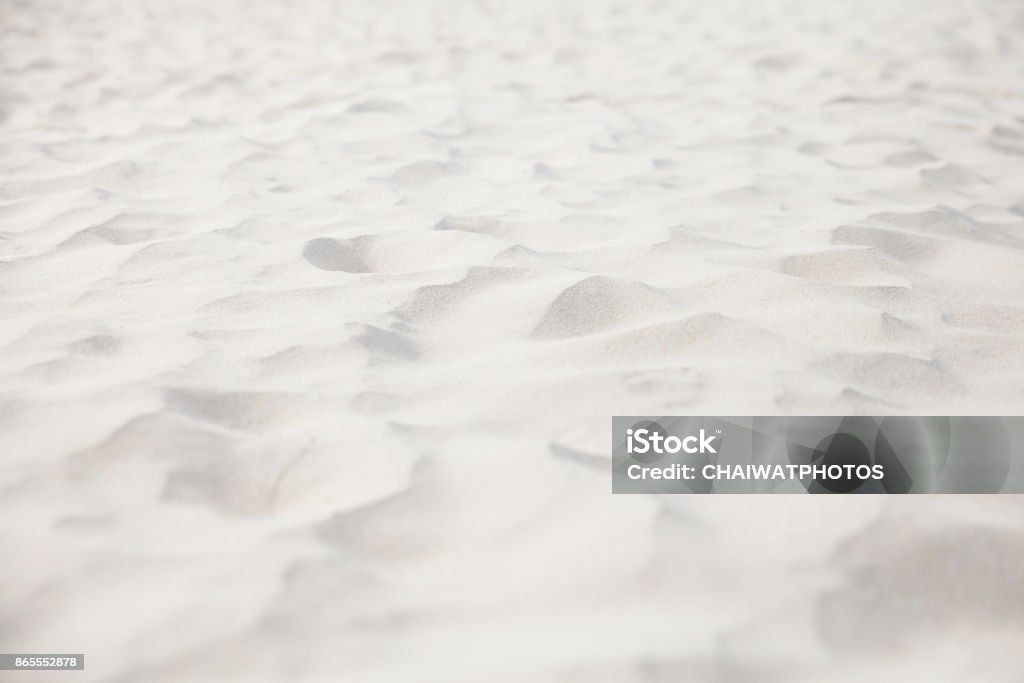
[(313, 316)]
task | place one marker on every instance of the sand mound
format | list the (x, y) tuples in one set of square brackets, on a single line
[(326, 253), (597, 304)]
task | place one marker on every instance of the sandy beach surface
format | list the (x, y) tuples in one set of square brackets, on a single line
[(314, 315)]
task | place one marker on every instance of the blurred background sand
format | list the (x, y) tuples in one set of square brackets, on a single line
[(314, 314)]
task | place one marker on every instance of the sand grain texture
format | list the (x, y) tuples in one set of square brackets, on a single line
[(313, 315)]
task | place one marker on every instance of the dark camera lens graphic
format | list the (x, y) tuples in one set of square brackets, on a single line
[(843, 455), (846, 452)]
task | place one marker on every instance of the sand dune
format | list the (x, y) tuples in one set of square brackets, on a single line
[(315, 313)]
